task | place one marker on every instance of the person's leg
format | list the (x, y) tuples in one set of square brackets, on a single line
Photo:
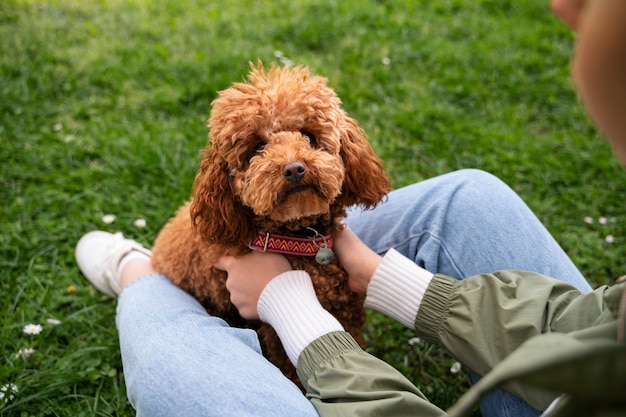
[(178, 360), (462, 224)]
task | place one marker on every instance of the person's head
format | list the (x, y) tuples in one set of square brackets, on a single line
[(599, 63)]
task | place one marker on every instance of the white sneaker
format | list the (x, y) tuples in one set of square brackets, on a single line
[(98, 255)]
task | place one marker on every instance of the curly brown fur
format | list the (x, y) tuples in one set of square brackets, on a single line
[(257, 128)]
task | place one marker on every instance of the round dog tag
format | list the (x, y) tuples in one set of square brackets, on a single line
[(324, 255)]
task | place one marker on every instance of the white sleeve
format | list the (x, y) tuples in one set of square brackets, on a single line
[(289, 304), (397, 288)]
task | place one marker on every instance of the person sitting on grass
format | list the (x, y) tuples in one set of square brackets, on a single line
[(543, 335)]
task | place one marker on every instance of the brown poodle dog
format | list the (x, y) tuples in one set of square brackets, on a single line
[(282, 164)]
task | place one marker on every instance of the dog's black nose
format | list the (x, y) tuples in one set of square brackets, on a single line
[(294, 172)]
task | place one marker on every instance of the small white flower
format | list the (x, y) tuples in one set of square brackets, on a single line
[(7, 391), (57, 127), (414, 341), (283, 59), (602, 220), (24, 353), (69, 138), (588, 219), (32, 329), (53, 321), (455, 368), (140, 223), (108, 218), (610, 239), (386, 60)]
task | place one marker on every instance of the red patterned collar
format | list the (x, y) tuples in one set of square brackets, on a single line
[(304, 246)]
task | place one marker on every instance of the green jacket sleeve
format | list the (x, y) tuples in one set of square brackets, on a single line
[(343, 380), (482, 319)]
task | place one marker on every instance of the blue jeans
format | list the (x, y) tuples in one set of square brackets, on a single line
[(178, 361)]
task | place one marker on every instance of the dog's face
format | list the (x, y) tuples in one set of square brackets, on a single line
[(280, 138), (283, 150)]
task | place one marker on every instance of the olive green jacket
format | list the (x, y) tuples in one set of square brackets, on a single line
[(532, 335)]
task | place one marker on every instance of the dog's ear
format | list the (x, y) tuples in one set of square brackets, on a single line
[(366, 181), (216, 213)]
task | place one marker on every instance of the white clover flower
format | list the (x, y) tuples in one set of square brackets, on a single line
[(140, 223), (588, 219), (53, 321), (32, 329), (414, 341), (386, 60), (283, 59), (24, 353), (57, 127), (610, 239), (7, 391), (108, 218), (602, 220), (455, 368)]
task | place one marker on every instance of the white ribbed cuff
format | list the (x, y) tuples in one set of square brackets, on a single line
[(397, 288), (289, 304)]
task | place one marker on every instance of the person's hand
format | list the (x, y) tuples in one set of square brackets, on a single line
[(247, 277), (356, 258), (569, 11)]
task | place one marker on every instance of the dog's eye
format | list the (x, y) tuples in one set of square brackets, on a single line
[(311, 137), (256, 150)]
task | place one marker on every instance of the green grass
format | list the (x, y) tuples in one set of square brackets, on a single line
[(103, 107)]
